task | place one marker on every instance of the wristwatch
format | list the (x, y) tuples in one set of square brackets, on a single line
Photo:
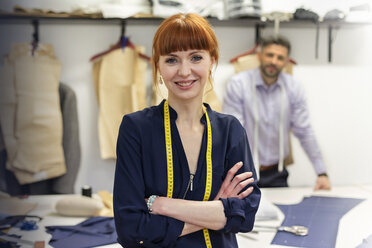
[(323, 174)]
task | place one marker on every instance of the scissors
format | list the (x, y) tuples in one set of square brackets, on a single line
[(297, 230)]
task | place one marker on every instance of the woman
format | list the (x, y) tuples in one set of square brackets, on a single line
[(184, 174)]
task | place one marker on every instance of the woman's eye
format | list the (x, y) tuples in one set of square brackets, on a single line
[(170, 60), (196, 58)]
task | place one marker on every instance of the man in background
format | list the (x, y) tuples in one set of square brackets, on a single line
[(270, 103)]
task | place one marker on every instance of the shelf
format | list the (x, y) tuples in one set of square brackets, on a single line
[(11, 18), (149, 19)]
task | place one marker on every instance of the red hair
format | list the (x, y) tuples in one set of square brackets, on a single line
[(182, 32)]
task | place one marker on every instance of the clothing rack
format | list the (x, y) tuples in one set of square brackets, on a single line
[(330, 41), (123, 28), (258, 29), (259, 24), (35, 36)]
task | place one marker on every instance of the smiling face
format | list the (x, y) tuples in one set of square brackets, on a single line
[(183, 52), (185, 73)]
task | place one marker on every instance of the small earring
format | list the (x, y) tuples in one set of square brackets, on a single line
[(210, 76), (161, 81)]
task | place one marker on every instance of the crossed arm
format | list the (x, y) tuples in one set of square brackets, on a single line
[(209, 214)]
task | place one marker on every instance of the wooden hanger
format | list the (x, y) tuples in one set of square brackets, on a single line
[(253, 51), (122, 43)]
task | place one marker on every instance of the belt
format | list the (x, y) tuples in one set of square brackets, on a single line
[(268, 167)]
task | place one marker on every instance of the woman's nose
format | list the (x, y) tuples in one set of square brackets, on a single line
[(184, 69)]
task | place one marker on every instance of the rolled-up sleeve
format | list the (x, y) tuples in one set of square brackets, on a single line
[(135, 226), (240, 213), (302, 129)]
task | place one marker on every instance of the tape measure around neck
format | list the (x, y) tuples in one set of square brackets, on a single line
[(256, 128), (168, 145)]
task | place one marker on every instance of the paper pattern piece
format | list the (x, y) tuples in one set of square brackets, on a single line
[(320, 214)]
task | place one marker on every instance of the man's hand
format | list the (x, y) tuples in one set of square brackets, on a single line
[(322, 182), (232, 184)]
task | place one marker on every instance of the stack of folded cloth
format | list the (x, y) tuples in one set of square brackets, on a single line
[(77, 205)]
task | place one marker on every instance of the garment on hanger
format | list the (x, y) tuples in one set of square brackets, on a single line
[(2, 163), (120, 86), (71, 147), (212, 99), (70, 141), (31, 118)]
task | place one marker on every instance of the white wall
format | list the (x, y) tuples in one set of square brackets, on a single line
[(338, 92), (339, 98)]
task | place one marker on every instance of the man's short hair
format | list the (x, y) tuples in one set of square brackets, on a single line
[(277, 40)]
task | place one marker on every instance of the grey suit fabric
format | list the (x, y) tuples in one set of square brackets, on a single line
[(71, 142), (72, 152), (2, 163)]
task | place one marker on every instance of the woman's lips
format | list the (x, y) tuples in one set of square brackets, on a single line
[(185, 83)]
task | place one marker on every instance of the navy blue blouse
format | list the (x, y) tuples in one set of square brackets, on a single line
[(141, 171)]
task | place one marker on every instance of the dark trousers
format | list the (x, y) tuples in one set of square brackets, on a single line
[(271, 178)]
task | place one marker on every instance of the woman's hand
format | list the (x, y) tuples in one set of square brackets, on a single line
[(232, 184)]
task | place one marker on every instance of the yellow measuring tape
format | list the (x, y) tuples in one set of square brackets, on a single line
[(168, 145)]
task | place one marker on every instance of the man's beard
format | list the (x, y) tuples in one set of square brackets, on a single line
[(268, 74)]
